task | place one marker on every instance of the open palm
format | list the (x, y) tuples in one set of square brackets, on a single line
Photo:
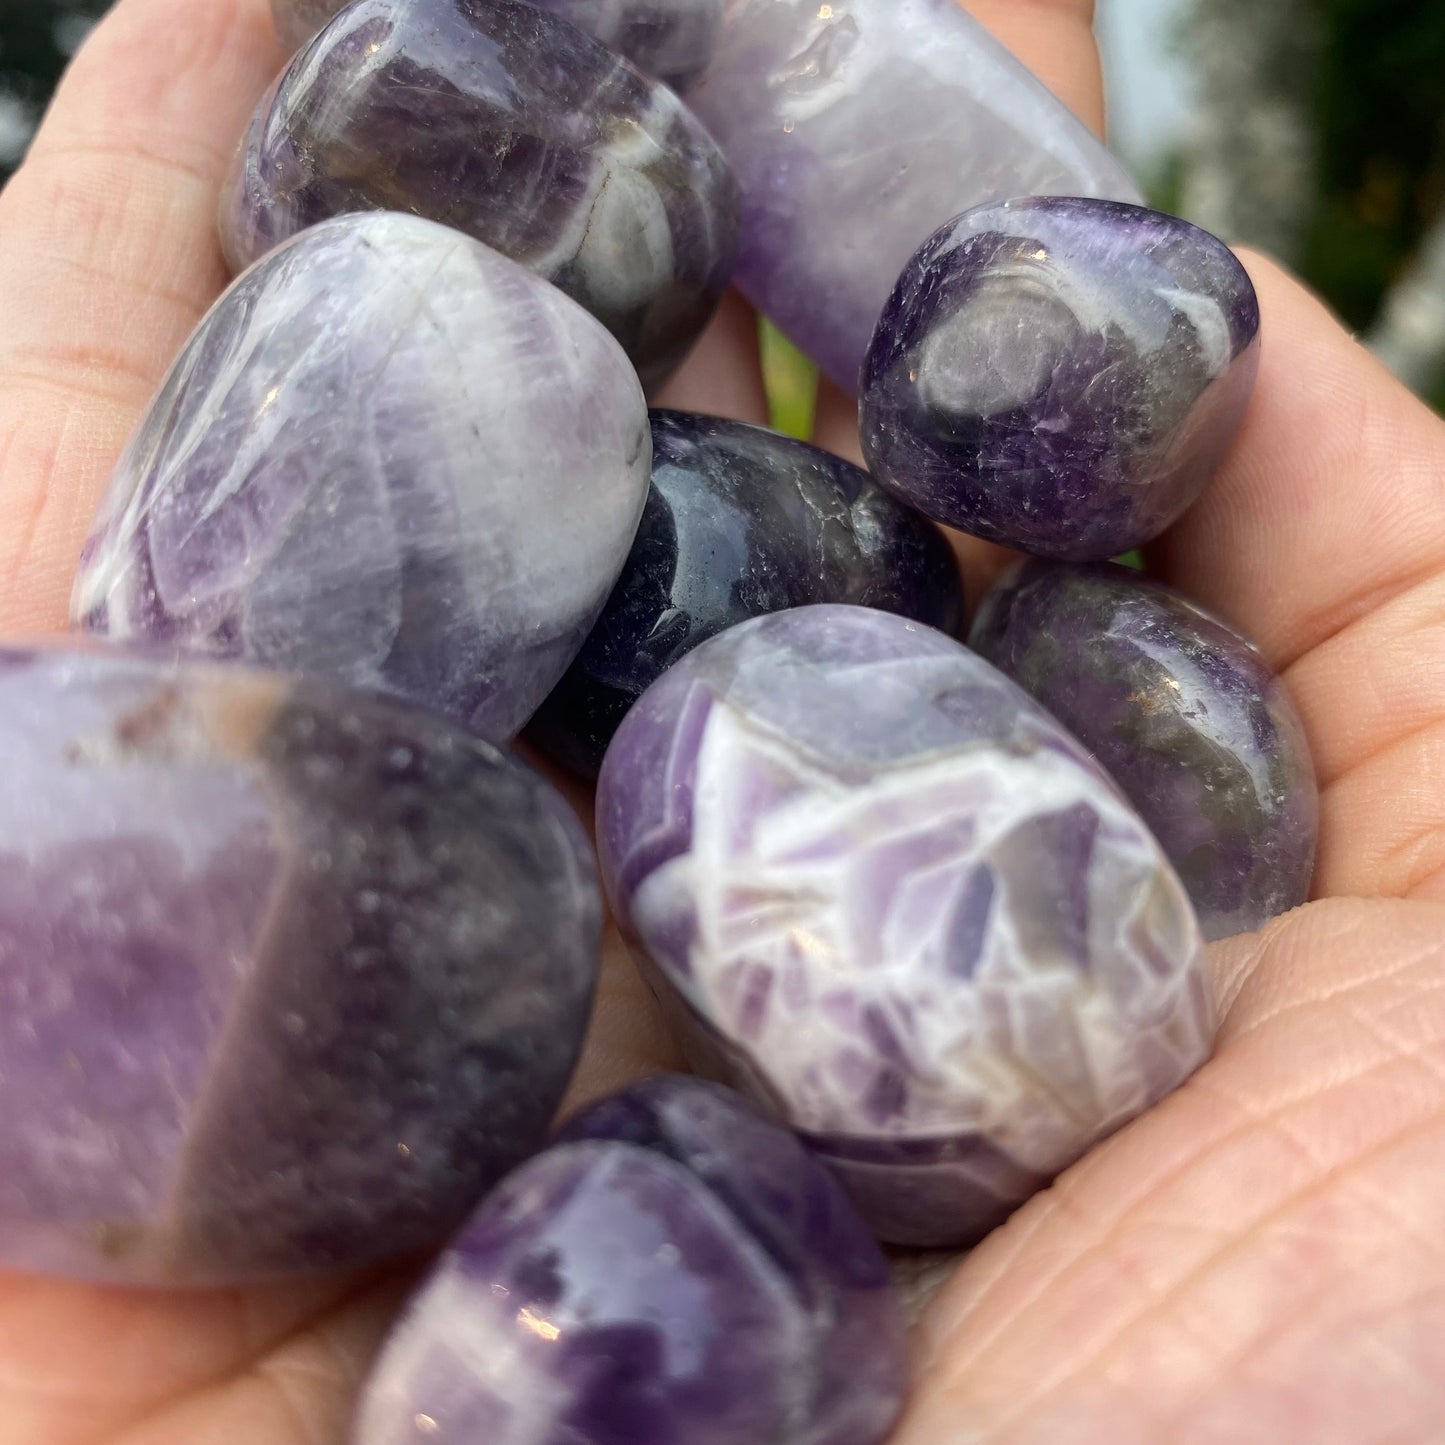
[(1261, 1257)]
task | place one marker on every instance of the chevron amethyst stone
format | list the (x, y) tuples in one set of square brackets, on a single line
[(389, 457), (288, 975), (1060, 375), (739, 522), (514, 126), (1186, 716), (677, 1270), (855, 130), (889, 897), (669, 39)]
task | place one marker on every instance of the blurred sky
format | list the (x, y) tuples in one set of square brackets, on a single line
[(1149, 85)]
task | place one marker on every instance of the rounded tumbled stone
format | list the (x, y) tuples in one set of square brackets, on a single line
[(888, 896), (389, 457), (669, 39), (517, 128), (678, 1269), (289, 976), (739, 522), (1060, 375), (1187, 717)]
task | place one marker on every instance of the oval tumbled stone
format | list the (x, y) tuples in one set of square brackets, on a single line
[(739, 522), (680, 1272), (288, 975), (1060, 375), (388, 456), (669, 39), (1187, 717), (887, 895), (517, 128)]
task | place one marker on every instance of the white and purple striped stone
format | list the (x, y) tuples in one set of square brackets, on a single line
[(890, 898)]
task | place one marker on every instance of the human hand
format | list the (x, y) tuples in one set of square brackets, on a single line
[(1258, 1259)]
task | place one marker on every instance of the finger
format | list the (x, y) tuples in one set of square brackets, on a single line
[(1322, 539), (1055, 39), (1256, 1260), (108, 258)]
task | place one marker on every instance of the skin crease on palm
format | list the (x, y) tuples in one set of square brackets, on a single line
[(1260, 1259)]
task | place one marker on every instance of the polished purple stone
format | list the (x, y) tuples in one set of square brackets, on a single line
[(1060, 375), (1186, 716), (391, 457), (678, 1272), (289, 976), (888, 896), (855, 130), (739, 522), (516, 127), (669, 39)]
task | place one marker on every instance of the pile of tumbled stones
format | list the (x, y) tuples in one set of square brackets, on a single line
[(296, 957)]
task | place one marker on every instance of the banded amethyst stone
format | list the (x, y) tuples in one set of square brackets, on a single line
[(889, 897), (288, 976), (1060, 375), (669, 39), (1186, 716), (739, 522), (855, 130), (682, 1271), (511, 125), (390, 457)]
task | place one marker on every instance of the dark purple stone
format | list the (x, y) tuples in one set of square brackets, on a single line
[(739, 522), (676, 1269), (288, 976), (514, 126), (891, 899), (1185, 714), (1060, 375)]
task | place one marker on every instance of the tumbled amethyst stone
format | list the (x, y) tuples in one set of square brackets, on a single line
[(855, 130), (516, 127), (1060, 375), (388, 456), (669, 39), (679, 1272), (288, 975), (739, 522), (890, 898), (1186, 716)]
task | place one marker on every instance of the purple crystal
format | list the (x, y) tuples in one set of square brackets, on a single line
[(517, 128), (739, 522), (288, 976), (1060, 375), (1184, 713), (855, 130), (888, 896), (669, 39), (680, 1271), (388, 456)]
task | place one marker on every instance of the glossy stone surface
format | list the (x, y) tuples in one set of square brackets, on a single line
[(739, 522), (669, 39), (855, 130), (1186, 716), (1060, 375), (510, 124), (889, 897), (682, 1272), (390, 457), (288, 975)]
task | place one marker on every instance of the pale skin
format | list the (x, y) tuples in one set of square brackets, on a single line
[(1260, 1259)]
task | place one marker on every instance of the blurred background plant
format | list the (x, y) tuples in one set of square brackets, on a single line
[(1313, 129)]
